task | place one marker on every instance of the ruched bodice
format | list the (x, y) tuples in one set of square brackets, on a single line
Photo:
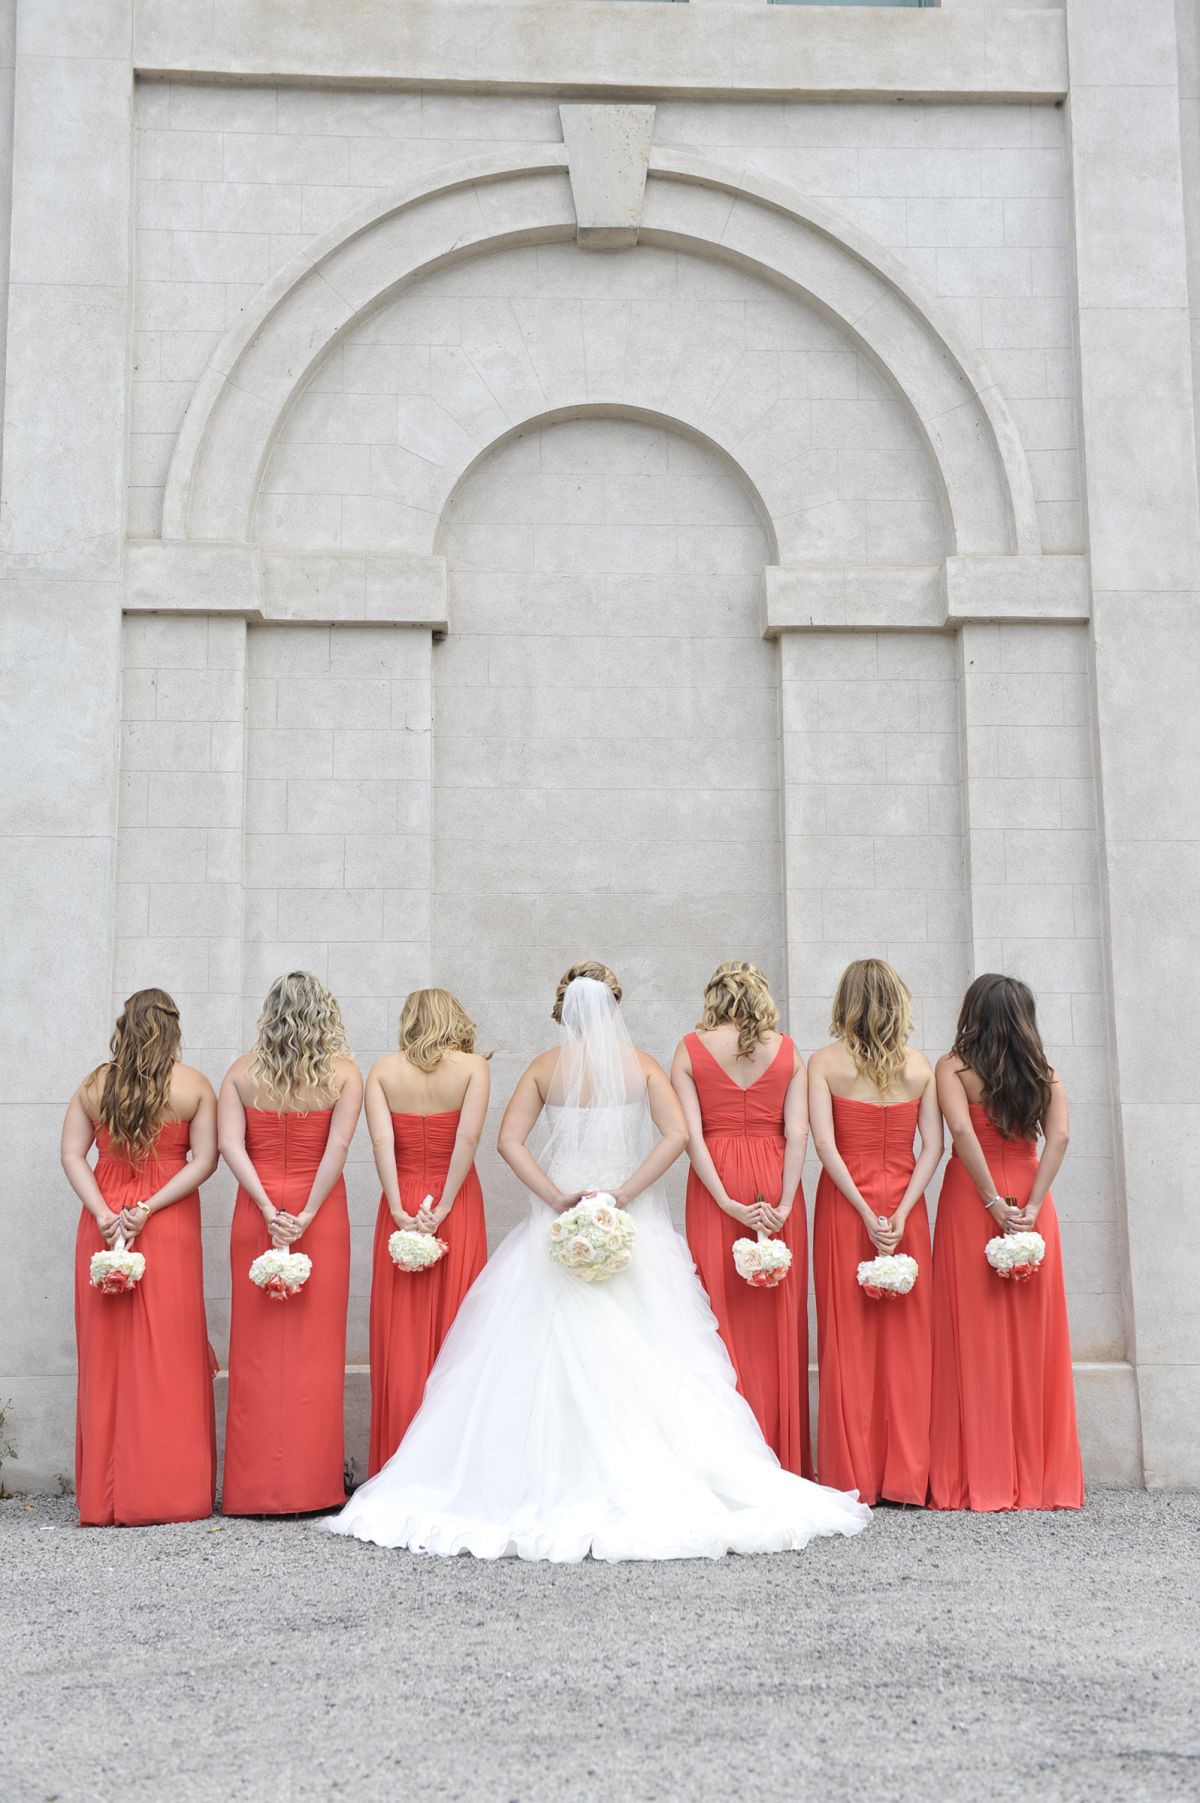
[(876, 1141), (286, 1149), (1012, 1162), (424, 1145), (117, 1174), (726, 1108)]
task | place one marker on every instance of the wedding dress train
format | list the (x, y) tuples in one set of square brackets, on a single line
[(565, 1418)]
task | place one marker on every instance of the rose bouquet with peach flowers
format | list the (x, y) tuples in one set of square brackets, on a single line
[(280, 1274), (1016, 1256), (763, 1263), (594, 1240), (116, 1271), (888, 1277)]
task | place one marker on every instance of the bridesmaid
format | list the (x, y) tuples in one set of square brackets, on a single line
[(426, 1105), (145, 1434), (1004, 1434), (742, 1087), (287, 1114), (869, 1094)]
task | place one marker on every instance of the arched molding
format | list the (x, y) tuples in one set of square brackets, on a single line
[(692, 204)]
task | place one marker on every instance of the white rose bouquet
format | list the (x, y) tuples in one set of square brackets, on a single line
[(414, 1251), (889, 1276), (280, 1273), (1016, 1256), (763, 1263), (594, 1240), (115, 1272)]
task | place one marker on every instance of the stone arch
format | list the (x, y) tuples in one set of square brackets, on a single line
[(489, 203)]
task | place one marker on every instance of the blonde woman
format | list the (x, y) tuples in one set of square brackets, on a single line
[(426, 1105), (871, 1097), (743, 1089), (286, 1115), (145, 1437)]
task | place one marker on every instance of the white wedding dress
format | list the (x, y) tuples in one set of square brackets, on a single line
[(564, 1418)]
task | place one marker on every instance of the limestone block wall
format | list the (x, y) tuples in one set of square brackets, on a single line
[(470, 675)]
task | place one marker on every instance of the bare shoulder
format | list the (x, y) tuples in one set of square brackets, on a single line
[(820, 1061), (91, 1092), (345, 1071), (649, 1065), (390, 1065), (189, 1087), (541, 1069), (950, 1065), (918, 1065), (240, 1067), (682, 1055)]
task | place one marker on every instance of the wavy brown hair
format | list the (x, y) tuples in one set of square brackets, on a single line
[(998, 1039), (599, 973), (136, 1090), (872, 1016), (738, 992), (433, 1023), (300, 1036)]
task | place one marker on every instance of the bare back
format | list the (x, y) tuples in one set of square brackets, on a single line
[(409, 1090), (241, 1075), (834, 1066), (722, 1044), (188, 1089)]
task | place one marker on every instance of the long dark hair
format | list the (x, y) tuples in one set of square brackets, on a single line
[(998, 1039), (137, 1080)]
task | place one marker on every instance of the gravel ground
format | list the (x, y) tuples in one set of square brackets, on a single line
[(983, 1657)]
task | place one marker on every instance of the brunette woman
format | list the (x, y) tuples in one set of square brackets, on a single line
[(287, 1115), (145, 1439), (1003, 1432)]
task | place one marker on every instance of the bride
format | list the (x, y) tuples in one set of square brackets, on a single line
[(565, 1418)]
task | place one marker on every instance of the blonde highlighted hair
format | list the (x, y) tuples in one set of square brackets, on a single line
[(300, 1037), (599, 973), (136, 1089), (872, 1016), (738, 992), (433, 1023)]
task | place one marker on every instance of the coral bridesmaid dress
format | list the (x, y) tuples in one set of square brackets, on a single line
[(765, 1331), (875, 1357), (412, 1311), (1003, 1430), (284, 1436), (145, 1432)]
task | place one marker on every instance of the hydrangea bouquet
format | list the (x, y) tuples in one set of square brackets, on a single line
[(280, 1273), (594, 1240), (888, 1276), (115, 1272), (1016, 1256)]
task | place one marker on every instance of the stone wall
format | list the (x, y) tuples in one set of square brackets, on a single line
[(492, 599)]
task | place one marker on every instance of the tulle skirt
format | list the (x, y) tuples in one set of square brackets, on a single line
[(565, 1418)]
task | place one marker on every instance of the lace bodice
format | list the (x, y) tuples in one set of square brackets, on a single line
[(595, 1148)]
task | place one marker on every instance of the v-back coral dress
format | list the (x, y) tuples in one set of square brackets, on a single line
[(413, 1311), (1003, 1428), (765, 1330), (875, 1357), (145, 1434), (284, 1438)]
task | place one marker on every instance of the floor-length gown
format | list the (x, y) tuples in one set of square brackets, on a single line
[(1003, 1429), (874, 1356), (563, 1418), (764, 1330), (284, 1445), (145, 1433), (412, 1311)]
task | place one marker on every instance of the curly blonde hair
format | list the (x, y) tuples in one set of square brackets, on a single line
[(300, 1035), (739, 993), (136, 1088), (599, 973), (872, 1016), (433, 1023)]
